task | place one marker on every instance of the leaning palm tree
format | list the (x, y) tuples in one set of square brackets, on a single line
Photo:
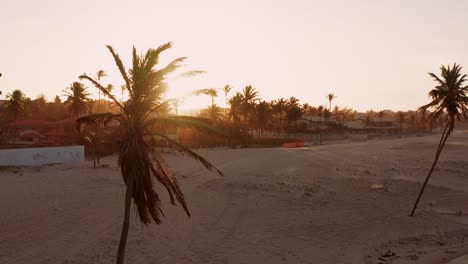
[(330, 98), (212, 92), (15, 108), (138, 117), (449, 97), (77, 102)]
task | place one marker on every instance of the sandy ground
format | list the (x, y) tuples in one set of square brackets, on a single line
[(343, 203)]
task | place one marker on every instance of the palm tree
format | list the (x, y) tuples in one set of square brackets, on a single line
[(380, 115), (279, 107), (400, 118), (214, 112), (330, 98), (235, 110), (227, 88), (138, 116), (93, 127), (320, 113), (263, 115), (450, 97), (15, 107), (77, 102), (293, 112), (368, 119), (212, 92), (250, 97), (109, 88), (99, 75), (123, 88)]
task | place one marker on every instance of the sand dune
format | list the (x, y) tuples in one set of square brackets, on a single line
[(343, 203)]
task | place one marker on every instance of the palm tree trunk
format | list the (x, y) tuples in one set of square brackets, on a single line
[(443, 139), (126, 223)]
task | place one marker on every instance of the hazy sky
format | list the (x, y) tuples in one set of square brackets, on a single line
[(370, 53)]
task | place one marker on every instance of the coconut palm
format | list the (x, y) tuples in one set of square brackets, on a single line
[(278, 108), (214, 112), (262, 115), (15, 108), (138, 116), (250, 97), (320, 111), (380, 115), (227, 88), (123, 88), (77, 102), (92, 128), (293, 112), (235, 110), (449, 97), (212, 92), (368, 119), (99, 75), (400, 118), (330, 98)]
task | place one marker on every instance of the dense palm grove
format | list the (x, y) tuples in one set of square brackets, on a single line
[(244, 115)]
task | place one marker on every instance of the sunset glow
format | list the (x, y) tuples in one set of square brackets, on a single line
[(368, 52)]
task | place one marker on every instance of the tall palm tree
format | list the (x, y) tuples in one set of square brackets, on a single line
[(380, 115), (15, 108), (279, 107), (214, 112), (109, 88), (99, 75), (235, 109), (227, 88), (320, 111), (400, 118), (250, 97), (330, 98), (262, 115), (293, 112), (123, 88), (138, 117), (450, 97), (212, 92), (368, 119), (77, 102)]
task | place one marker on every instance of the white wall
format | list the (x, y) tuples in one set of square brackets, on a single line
[(41, 156)]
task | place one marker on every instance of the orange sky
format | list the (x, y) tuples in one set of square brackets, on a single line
[(371, 54)]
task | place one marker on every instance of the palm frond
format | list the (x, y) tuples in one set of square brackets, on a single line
[(165, 175), (99, 118), (191, 73), (121, 67)]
